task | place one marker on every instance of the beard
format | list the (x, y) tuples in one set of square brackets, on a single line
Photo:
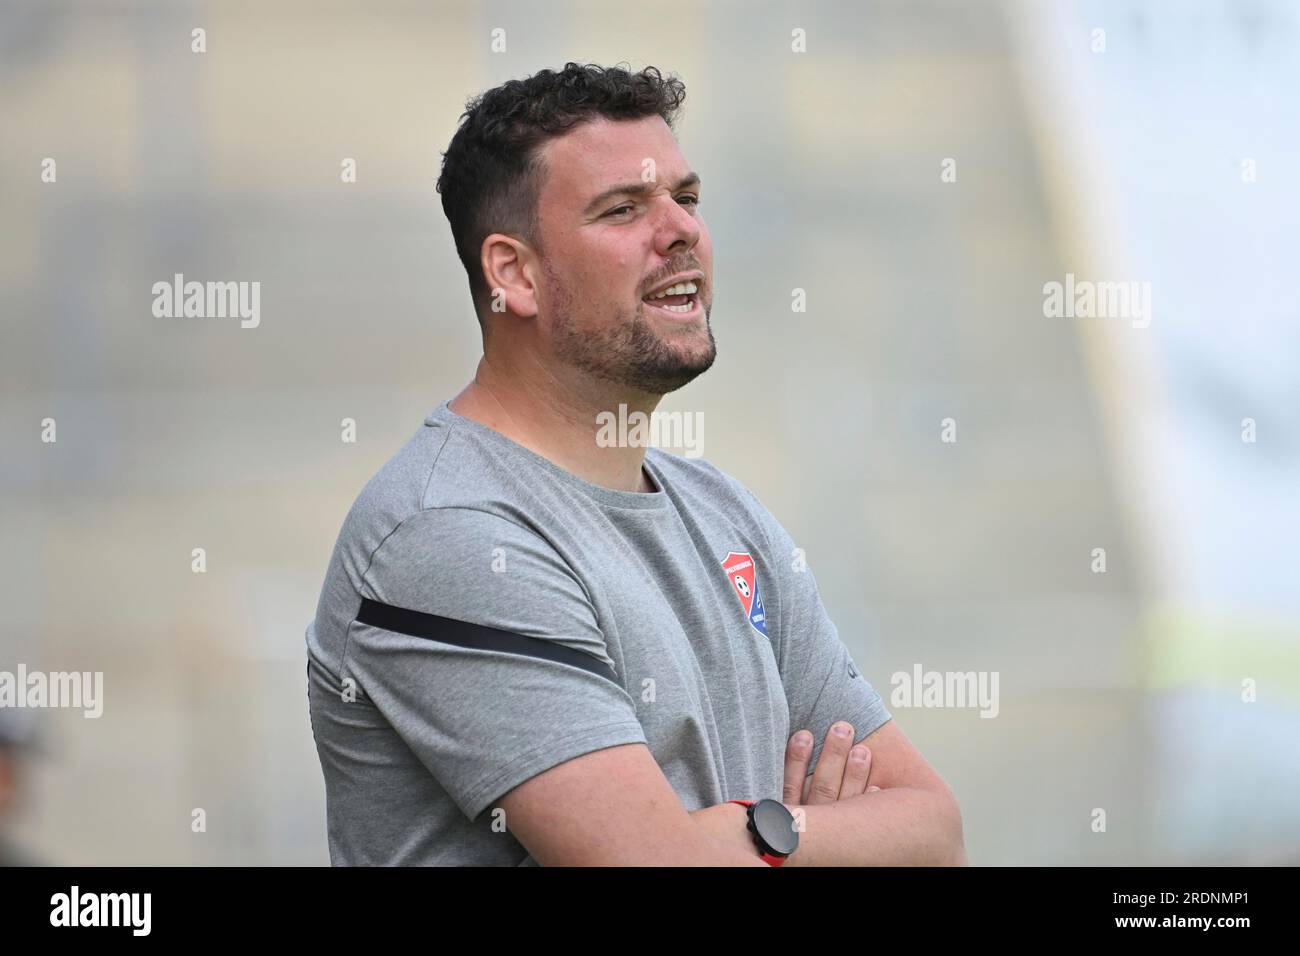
[(627, 351)]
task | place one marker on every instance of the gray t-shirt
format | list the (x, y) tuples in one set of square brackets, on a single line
[(488, 615)]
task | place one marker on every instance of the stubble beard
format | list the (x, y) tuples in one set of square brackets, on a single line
[(627, 351)]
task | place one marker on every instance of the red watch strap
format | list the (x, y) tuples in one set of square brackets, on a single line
[(770, 859)]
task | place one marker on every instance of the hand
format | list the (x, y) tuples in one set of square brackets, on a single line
[(836, 778), (842, 770)]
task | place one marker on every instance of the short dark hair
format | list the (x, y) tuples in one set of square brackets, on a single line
[(492, 173)]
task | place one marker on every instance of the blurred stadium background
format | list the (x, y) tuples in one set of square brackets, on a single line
[(1120, 690)]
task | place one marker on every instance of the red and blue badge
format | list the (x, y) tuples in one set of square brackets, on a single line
[(744, 581)]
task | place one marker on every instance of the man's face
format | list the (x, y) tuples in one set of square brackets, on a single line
[(605, 252)]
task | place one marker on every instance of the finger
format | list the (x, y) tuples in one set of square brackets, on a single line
[(872, 789), (797, 753), (855, 772), (830, 765)]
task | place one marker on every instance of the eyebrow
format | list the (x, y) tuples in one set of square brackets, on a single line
[(636, 189)]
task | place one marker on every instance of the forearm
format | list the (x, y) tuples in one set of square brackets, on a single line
[(726, 827), (902, 826)]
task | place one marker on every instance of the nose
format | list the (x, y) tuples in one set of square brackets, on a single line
[(678, 229)]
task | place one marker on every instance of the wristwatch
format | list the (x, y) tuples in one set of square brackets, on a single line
[(773, 827)]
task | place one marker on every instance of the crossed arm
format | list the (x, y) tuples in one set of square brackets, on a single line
[(912, 820), (614, 807), (891, 810)]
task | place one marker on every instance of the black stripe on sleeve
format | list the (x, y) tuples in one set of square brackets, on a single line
[(463, 634)]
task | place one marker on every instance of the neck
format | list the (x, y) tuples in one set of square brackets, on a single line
[(557, 419)]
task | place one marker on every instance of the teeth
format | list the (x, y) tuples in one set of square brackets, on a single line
[(681, 288)]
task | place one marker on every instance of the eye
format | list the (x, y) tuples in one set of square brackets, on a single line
[(613, 212), (695, 200)]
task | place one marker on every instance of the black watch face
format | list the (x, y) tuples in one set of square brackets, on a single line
[(775, 825)]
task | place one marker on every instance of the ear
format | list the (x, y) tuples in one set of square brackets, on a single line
[(510, 270)]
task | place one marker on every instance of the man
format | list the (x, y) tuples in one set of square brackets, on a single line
[(534, 647)]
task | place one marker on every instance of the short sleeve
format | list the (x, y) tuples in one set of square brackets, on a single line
[(480, 647), (822, 682)]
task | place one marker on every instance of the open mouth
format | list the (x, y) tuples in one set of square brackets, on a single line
[(679, 301)]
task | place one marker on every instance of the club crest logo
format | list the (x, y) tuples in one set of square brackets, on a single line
[(744, 582)]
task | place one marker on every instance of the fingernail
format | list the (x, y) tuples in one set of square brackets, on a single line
[(803, 738), (841, 730), (858, 754)]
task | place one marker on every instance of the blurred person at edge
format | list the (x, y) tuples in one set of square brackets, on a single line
[(15, 735)]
